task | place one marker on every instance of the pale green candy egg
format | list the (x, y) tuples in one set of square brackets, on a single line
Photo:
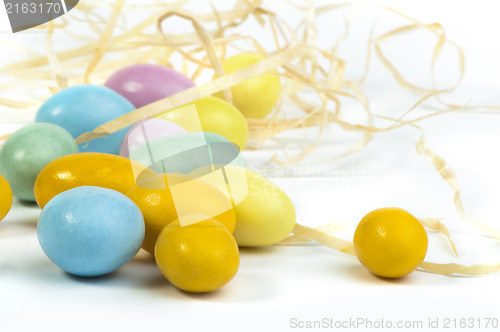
[(27, 151)]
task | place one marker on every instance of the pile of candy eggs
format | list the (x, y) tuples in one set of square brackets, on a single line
[(95, 197), (178, 188)]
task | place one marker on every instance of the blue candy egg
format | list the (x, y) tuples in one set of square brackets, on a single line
[(90, 231), (82, 108)]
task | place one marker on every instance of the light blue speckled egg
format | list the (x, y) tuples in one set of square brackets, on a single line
[(90, 231), (82, 108)]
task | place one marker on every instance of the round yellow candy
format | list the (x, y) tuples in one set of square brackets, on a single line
[(5, 197), (254, 97), (201, 257), (216, 116), (154, 198), (390, 242)]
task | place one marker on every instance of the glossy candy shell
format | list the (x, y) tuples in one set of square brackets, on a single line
[(87, 169)]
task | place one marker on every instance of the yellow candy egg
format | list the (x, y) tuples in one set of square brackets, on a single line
[(87, 169), (153, 196), (390, 242), (201, 257), (265, 215), (5, 197), (216, 116), (255, 97)]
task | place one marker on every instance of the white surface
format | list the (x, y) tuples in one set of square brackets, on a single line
[(311, 282)]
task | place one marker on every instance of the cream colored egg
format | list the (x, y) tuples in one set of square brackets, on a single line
[(265, 215)]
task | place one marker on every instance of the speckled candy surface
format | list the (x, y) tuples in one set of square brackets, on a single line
[(90, 231), (27, 151), (82, 108), (144, 84), (146, 130)]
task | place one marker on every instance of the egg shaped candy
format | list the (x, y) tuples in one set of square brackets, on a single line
[(90, 231), (27, 151), (390, 242), (147, 130), (144, 83), (216, 116), (265, 215), (82, 108), (88, 169), (255, 97), (163, 197), (198, 258), (5, 197)]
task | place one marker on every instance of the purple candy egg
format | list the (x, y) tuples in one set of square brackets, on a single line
[(146, 131), (144, 84)]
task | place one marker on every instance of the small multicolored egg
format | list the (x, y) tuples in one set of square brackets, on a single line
[(90, 231), (88, 169), (254, 97), (144, 83), (148, 130), (216, 116), (5, 197), (27, 151), (83, 108)]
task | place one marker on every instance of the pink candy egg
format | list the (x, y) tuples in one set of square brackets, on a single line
[(146, 131), (144, 84)]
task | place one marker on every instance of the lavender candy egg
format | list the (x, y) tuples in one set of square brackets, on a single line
[(144, 84), (148, 130)]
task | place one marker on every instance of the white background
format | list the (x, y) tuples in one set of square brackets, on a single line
[(310, 282)]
